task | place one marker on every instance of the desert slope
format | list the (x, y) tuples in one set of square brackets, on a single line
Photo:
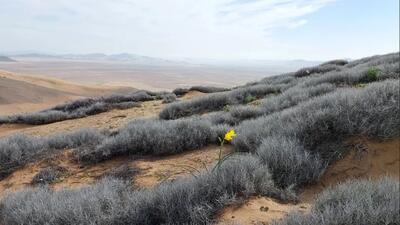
[(15, 91), (21, 93)]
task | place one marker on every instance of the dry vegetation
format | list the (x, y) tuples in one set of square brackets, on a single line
[(292, 129)]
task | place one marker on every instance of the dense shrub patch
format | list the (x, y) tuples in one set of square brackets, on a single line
[(151, 137), (216, 101), (317, 69), (319, 127), (271, 104), (19, 149)]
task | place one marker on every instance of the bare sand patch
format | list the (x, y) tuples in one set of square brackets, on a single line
[(259, 210), (193, 94), (8, 129), (368, 158), (156, 170)]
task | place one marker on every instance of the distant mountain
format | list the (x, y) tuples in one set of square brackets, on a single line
[(275, 66), (6, 59), (123, 57)]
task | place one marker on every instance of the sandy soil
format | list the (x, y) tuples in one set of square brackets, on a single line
[(259, 210), (20, 96), (156, 170), (370, 158), (193, 94)]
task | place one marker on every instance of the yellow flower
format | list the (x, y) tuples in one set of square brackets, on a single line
[(230, 135)]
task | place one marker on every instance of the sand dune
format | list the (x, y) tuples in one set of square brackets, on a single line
[(15, 91), (21, 93)]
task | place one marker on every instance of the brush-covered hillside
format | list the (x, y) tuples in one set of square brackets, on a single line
[(317, 146)]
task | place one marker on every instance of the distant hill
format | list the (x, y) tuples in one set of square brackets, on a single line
[(124, 57), (272, 66), (6, 59)]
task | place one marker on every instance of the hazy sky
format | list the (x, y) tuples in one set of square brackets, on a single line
[(223, 29)]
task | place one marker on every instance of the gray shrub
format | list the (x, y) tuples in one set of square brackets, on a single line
[(316, 69), (180, 91), (208, 89), (289, 98), (168, 98), (216, 101), (151, 137), (48, 175), (339, 62), (17, 150), (289, 163)]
